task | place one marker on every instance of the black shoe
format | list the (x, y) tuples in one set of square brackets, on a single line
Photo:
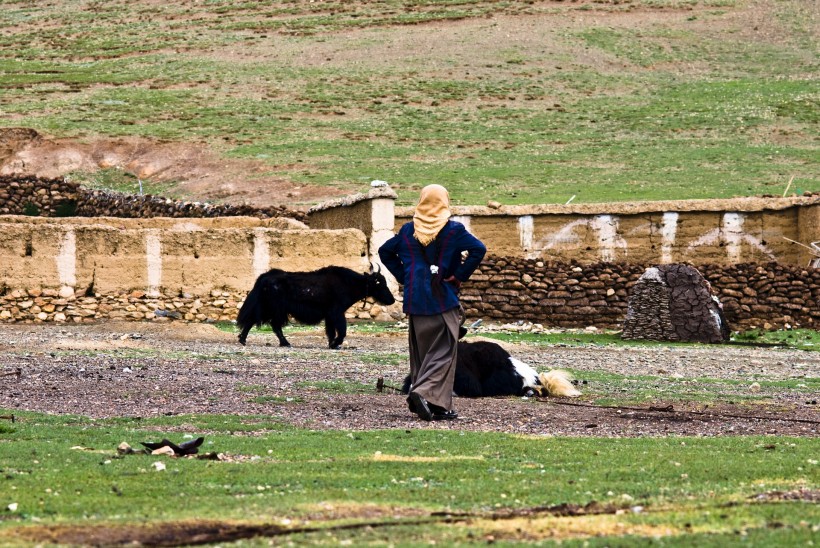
[(420, 405), (445, 416)]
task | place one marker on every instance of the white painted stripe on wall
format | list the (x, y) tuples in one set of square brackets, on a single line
[(463, 219), (153, 259), (733, 235), (608, 238), (66, 260), (261, 252), (526, 228), (669, 230)]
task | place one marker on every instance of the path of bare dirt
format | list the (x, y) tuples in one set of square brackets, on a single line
[(145, 370)]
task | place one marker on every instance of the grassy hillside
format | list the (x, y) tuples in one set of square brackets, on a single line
[(515, 101)]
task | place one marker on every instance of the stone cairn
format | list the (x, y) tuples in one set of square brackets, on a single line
[(35, 196), (674, 302)]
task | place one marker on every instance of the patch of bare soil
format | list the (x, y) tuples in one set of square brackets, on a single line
[(187, 533), (197, 169), (150, 369)]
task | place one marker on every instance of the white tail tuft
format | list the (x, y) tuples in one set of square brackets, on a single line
[(558, 383)]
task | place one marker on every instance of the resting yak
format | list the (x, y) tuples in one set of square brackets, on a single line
[(309, 297), (484, 369)]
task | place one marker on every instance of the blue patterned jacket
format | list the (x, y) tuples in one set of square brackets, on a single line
[(409, 262)]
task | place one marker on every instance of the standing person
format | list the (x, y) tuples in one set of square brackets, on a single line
[(426, 257)]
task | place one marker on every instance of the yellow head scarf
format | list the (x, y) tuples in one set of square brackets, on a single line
[(431, 214)]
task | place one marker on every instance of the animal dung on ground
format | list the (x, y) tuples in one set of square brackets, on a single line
[(674, 302)]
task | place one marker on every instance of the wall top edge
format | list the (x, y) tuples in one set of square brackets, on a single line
[(632, 208), (347, 201), (167, 223)]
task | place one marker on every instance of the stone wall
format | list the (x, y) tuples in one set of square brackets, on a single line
[(578, 295), (38, 197), (503, 289), (545, 263)]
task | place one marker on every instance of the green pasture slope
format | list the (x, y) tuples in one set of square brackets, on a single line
[(600, 101)]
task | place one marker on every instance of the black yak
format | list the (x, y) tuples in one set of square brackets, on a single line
[(309, 298), (484, 369)]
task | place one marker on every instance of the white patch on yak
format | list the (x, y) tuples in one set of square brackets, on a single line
[(529, 374)]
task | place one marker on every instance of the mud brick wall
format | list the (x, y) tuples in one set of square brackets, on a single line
[(574, 295), (83, 270), (725, 231), (59, 198)]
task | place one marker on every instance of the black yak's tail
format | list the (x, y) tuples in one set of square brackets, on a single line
[(251, 312), (266, 303)]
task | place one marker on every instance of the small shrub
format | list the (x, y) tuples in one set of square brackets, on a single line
[(67, 208), (31, 209)]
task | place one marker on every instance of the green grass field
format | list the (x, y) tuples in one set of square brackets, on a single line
[(521, 102), (397, 487)]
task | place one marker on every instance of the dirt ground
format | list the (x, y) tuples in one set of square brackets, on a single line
[(149, 369)]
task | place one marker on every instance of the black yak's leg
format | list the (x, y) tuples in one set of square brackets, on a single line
[(243, 336), (330, 330), (336, 328), (277, 329)]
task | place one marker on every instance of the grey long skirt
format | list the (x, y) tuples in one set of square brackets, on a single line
[(433, 350)]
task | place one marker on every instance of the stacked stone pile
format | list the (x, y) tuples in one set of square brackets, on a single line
[(552, 294), (59, 198), (48, 305), (574, 295), (674, 303), (648, 312), (770, 294)]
